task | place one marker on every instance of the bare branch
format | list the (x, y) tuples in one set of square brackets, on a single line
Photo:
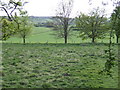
[(6, 13)]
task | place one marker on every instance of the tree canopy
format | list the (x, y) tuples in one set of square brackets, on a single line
[(93, 25), (115, 19), (9, 24)]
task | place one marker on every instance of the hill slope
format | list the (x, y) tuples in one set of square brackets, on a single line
[(36, 19)]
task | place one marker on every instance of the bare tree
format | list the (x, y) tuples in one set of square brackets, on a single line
[(63, 19)]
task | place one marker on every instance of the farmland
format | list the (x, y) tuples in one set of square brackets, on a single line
[(57, 66)]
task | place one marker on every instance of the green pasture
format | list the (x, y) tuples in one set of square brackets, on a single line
[(45, 62), (57, 66), (45, 35)]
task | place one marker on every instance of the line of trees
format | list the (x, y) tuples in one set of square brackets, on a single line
[(93, 25)]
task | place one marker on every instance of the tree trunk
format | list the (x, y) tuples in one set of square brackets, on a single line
[(117, 39), (65, 29), (23, 40), (93, 39), (65, 39), (65, 36)]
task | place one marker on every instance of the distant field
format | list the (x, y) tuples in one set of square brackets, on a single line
[(57, 66), (45, 35)]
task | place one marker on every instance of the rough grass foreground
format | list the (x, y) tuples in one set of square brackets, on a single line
[(56, 66)]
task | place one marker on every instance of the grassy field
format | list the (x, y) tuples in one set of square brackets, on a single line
[(45, 62), (43, 35), (56, 66)]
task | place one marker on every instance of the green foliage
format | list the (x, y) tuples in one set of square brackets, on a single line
[(111, 60), (10, 25), (92, 26), (38, 19), (115, 20), (25, 27), (48, 24), (7, 28)]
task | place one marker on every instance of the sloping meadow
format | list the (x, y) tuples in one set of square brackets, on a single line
[(57, 66)]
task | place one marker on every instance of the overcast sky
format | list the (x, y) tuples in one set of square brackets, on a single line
[(48, 7)]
